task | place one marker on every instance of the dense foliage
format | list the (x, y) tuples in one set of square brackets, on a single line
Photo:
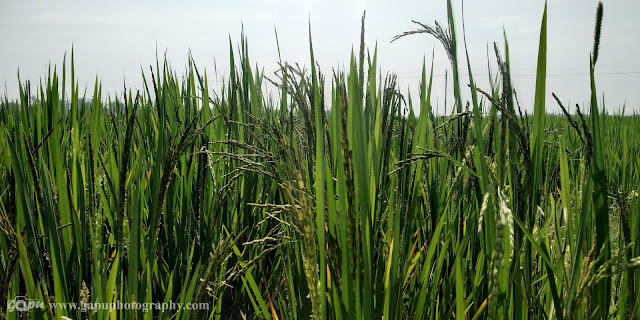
[(339, 205)]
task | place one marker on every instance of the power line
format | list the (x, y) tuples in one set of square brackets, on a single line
[(533, 75), (548, 69)]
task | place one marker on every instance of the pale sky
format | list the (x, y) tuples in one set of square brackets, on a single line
[(114, 39)]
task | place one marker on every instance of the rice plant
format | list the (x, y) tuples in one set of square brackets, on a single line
[(348, 204)]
